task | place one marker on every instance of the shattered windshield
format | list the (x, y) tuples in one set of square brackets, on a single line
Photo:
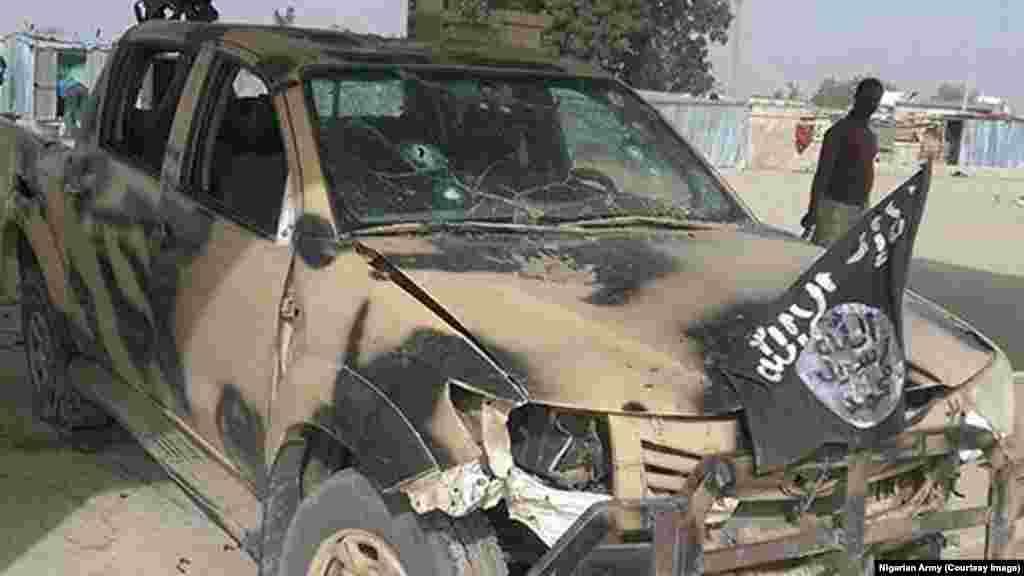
[(402, 145)]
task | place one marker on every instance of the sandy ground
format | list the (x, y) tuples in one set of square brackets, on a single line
[(109, 514), (976, 222), (117, 514), (968, 253)]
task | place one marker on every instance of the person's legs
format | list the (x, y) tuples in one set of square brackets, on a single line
[(833, 220), (73, 101)]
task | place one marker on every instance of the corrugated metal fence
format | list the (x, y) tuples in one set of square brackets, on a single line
[(720, 130), (992, 143), (16, 95), (33, 64)]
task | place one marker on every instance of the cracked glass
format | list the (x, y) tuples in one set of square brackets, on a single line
[(401, 145)]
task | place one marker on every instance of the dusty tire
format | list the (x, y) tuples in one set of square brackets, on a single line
[(347, 521), (55, 402)]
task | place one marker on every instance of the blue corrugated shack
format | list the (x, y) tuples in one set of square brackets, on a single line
[(719, 129), (35, 64), (992, 143)]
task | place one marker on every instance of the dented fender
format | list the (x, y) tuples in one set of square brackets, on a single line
[(393, 443), (370, 361), (387, 447)]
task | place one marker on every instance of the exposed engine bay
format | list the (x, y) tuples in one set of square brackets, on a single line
[(568, 450)]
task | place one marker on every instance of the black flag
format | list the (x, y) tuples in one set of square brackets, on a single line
[(824, 363)]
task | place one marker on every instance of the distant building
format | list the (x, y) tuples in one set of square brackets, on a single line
[(892, 98), (36, 62), (998, 104)]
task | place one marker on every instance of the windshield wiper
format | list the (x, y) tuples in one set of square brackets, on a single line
[(432, 227), (646, 221), (581, 225)]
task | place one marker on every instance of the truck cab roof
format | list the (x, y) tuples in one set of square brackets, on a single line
[(280, 51)]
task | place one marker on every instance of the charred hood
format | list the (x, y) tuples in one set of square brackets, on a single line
[(612, 321)]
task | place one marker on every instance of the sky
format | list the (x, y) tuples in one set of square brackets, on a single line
[(916, 44)]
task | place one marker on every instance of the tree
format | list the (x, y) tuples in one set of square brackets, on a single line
[(835, 93), (953, 93), (651, 44), (790, 92)]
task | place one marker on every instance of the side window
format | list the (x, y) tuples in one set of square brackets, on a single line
[(241, 168), (143, 105)]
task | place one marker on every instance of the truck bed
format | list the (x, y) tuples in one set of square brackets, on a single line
[(35, 153)]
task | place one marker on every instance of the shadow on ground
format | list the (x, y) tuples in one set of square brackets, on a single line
[(992, 303), (112, 512), (44, 484)]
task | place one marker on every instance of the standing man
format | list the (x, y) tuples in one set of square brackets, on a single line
[(846, 169), (72, 93)]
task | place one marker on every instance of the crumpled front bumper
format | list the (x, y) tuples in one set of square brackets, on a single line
[(678, 525)]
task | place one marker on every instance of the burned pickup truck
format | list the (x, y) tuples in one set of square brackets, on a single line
[(387, 307)]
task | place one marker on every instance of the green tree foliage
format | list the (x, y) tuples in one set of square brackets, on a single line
[(651, 44), (790, 92), (835, 93)]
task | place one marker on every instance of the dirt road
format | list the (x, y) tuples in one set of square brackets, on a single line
[(109, 514)]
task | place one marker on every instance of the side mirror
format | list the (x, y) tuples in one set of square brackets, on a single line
[(315, 241), (3, 70)]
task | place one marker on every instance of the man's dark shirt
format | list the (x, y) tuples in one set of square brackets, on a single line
[(853, 169), (846, 166), (848, 153)]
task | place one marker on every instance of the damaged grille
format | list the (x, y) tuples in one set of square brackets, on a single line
[(665, 469)]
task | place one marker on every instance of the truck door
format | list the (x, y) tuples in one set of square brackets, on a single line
[(113, 222), (227, 254)]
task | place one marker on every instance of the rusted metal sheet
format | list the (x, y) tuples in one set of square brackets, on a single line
[(1002, 500), (853, 511), (824, 539), (815, 538)]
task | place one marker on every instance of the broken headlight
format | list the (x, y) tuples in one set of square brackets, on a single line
[(565, 448)]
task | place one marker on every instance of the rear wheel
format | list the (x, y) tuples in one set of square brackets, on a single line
[(348, 528), (55, 402)]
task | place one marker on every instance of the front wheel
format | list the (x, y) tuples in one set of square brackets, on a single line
[(348, 528)]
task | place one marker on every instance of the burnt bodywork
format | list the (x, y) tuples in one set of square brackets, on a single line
[(557, 366)]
